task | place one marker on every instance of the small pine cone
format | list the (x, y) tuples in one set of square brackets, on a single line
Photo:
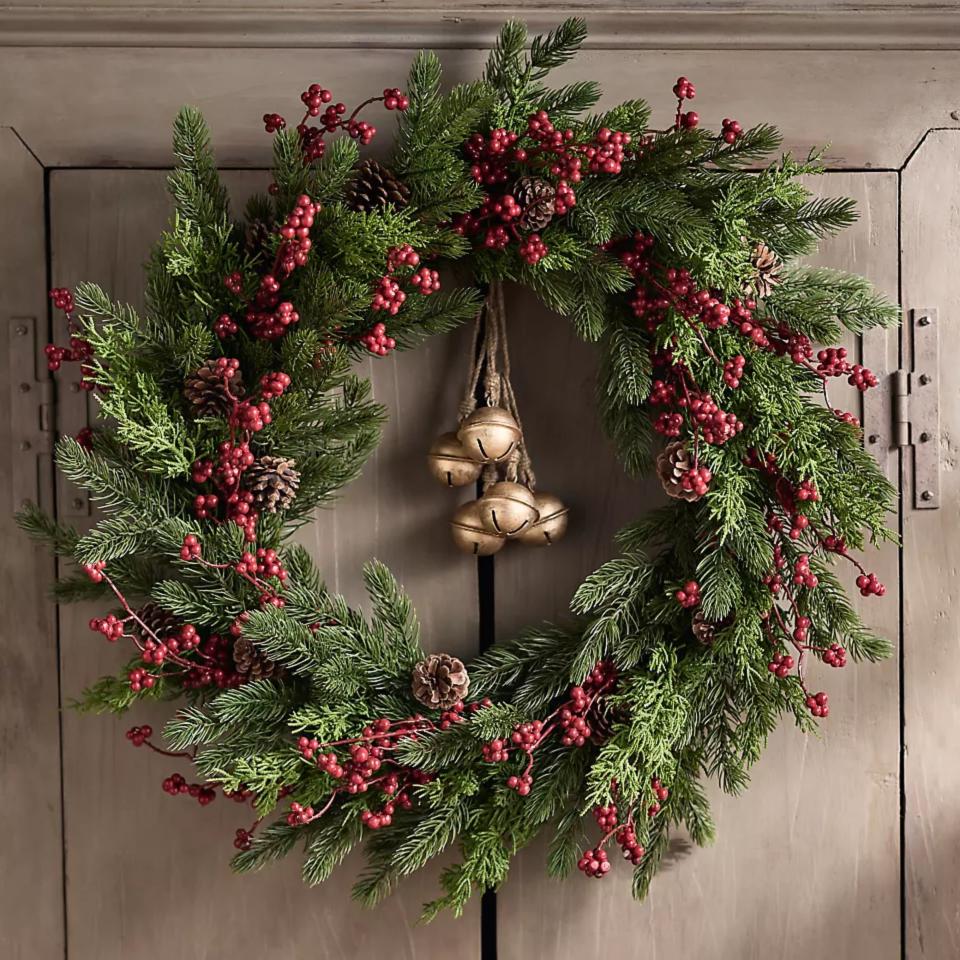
[(768, 267), (273, 481), (251, 663), (703, 629), (257, 237), (375, 186), (206, 392), (536, 196), (672, 463), (156, 619), (439, 681)]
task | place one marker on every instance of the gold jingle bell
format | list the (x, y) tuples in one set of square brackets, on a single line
[(489, 433), (469, 533), (508, 508), (552, 524), (450, 464)]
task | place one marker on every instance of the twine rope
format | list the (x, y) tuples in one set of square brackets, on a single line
[(490, 360)]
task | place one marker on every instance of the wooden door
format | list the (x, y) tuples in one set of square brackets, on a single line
[(805, 863), (147, 874), (931, 554)]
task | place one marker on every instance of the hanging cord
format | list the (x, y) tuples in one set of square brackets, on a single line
[(491, 361)]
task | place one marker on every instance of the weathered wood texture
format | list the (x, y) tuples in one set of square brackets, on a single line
[(122, 100), (147, 874), (805, 863), (31, 870), (692, 24), (931, 589)]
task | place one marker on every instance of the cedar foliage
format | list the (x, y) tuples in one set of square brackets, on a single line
[(682, 711)]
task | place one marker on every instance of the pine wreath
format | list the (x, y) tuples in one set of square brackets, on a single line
[(685, 650)]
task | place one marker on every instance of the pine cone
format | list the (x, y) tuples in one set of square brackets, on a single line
[(251, 663), (156, 619), (536, 196), (768, 266), (703, 629), (273, 481), (440, 681), (206, 392), (375, 186), (257, 236), (672, 463)]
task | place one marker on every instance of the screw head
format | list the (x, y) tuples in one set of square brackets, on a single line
[(24, 387), (924, 437), (21, 330), (25, 445), (873, 438), (77, 503), (926, 495), (924, 321), (924, 379)]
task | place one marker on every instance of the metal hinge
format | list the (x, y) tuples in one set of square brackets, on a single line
[(916, 407), (31, 412)]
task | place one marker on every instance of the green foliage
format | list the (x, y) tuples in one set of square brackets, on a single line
[(679, 710)]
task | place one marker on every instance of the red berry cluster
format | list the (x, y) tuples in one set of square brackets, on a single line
[(731, 131), (389, 297), (502, 157), (79, 350), (797, 537), (683, 89), (688, 595), (317, 101), (175, 785), (835, 656), (138, 736), (781, 665), (577, 720), (594, 863)]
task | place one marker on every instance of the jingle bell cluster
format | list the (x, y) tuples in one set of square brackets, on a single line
[(507, 510)]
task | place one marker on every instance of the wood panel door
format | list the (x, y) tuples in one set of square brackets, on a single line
[(931, 552), (147, 874), (791, 874), (805, 863)]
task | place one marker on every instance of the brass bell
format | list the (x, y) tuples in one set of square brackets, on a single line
[(508, 508), (489, 433), (469, 533), (450, 464), (552, 524)]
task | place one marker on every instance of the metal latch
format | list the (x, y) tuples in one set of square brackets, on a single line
[(31, 413), (916, 407)]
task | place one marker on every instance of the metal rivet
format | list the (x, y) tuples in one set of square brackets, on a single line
[(873, 438), (924, 437), (926, 495), (25, 445), (74, 387), (77, 503), (24, 387), (924, 379), (21, 331), (924, 321)]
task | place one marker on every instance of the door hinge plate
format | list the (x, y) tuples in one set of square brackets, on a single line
[(31, 413), (923, 407)]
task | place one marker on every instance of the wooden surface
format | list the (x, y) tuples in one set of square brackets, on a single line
[(872, 108), (931, 648), (688, 24), (147, 873), (31, 866), (792, 874)]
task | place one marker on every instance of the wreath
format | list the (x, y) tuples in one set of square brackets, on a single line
[(230, 411)]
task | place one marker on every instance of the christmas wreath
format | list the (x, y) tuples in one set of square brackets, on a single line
[(230, 412)]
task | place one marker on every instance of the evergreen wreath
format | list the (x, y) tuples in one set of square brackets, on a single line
[(230, 412)]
